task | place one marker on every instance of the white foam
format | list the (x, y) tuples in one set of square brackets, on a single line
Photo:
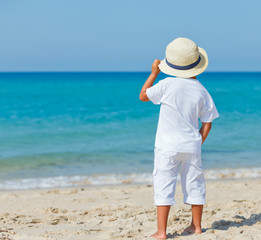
[(232, 173), (111, 179)]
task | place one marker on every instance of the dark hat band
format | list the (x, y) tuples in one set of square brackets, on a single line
[(183, 67)]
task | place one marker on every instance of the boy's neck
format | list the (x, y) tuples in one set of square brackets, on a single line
[(195, 77)]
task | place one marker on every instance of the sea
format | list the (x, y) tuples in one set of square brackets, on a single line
[(90, 128)]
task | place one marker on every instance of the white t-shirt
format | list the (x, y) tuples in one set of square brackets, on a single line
[(183, 102)]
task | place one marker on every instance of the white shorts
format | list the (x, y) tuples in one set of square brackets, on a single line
[(165, 173)]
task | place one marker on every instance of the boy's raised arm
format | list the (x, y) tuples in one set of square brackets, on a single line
[(154, 73)]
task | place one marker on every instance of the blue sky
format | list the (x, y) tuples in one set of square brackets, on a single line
[(118, 35)]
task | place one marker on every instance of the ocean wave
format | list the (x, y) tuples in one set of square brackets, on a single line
[(114, 179)]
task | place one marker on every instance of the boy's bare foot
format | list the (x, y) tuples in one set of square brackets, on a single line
[(159, 236), (192, 229)]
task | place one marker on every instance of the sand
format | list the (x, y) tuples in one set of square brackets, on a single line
[(233, 211)]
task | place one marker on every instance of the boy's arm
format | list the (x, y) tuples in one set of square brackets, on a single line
[(154, 73), (204, 130)]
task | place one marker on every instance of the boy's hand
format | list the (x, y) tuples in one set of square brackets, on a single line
[(154, 73), (155, 67)]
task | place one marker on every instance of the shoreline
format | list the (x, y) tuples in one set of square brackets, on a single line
[(127, 211), (118, 179), (121, 185)]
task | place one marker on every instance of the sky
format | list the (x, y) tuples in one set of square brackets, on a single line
[(118, 35)]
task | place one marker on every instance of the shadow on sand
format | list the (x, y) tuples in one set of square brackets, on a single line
[(225, 225)]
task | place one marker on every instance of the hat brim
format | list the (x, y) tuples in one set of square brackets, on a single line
[(201, 67)]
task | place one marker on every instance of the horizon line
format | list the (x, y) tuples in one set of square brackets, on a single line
[(121, 71)]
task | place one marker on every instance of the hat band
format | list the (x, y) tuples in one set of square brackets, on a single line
[(183, 67)]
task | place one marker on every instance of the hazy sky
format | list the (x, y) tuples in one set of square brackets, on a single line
[(112, 35)]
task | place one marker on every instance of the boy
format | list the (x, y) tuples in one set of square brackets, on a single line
[(178, 139)]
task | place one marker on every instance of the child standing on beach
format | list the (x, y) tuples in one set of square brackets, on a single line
[(178, 141)]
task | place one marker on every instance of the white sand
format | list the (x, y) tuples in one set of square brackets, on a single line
[(233, 211)]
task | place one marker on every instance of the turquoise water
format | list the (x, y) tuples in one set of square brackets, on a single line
[(81, 124)]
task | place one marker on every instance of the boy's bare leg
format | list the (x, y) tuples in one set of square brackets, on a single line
[(195, 226), (162, 216)]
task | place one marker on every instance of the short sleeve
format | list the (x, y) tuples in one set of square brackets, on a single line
[(209, 111), (156, 92)]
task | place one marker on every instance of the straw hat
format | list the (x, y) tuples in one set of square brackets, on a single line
[(184, 59)]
